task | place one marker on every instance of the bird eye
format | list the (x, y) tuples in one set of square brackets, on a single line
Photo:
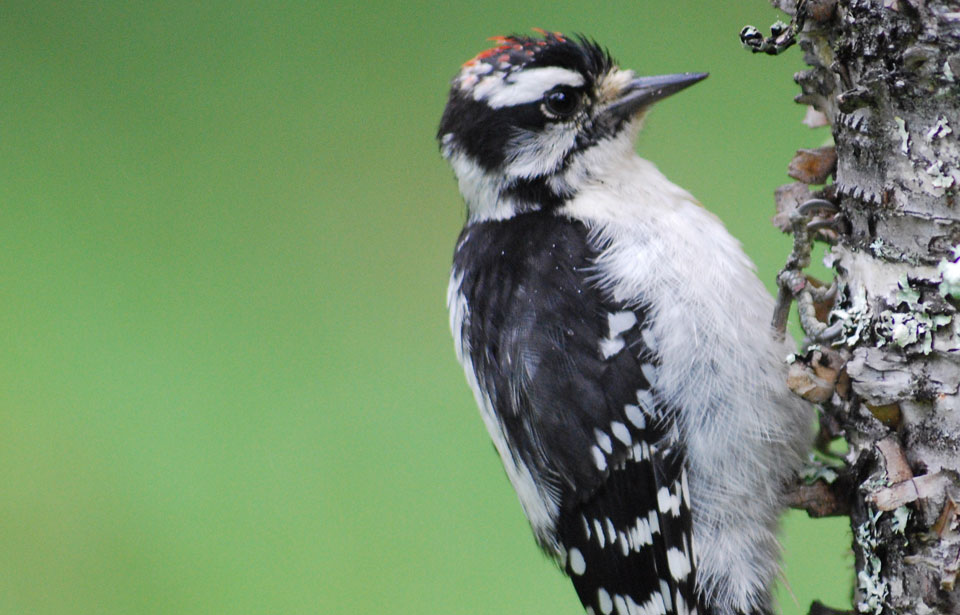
[(561, 102)]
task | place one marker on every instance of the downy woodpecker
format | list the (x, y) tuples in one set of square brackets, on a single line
[(616, 338)]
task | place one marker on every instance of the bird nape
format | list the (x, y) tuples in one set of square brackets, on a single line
[(615, 337)]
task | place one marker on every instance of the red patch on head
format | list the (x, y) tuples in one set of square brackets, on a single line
[(548, 35), (507, 45), (483, 55)]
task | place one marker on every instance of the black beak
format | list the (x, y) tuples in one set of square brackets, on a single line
[(644, 91)]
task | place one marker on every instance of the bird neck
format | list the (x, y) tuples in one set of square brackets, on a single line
[(495, 196)]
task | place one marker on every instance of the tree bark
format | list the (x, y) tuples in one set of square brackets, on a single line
[(883, 348)]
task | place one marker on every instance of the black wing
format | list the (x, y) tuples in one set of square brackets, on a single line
[(572, 376)]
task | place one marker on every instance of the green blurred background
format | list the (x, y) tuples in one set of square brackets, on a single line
[(226, 380)]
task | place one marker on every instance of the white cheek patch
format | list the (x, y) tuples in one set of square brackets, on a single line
[(524, 86), (480, 190), (536, 154)]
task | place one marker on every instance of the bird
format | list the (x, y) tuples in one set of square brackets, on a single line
[(616, 338)]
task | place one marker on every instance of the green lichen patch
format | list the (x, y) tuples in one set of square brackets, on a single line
[(914, 319), (949, 270), (872, 588)]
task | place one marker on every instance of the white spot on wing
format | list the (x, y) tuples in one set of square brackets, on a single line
[(658, 604), (620, 322), (599, 458), (644, 537), (620, 604), (608, 348), (668, 502), (650, 373), (577, 564), (645, 398), (603, 440), (600, 535), (617, 322), (679, 564), (621, 432), (606, 604), (635, 416), (665, 595), (654, 522)]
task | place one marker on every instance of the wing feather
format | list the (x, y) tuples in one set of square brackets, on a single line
[(571, 377)]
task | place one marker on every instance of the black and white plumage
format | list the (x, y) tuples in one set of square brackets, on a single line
[(616, 339)]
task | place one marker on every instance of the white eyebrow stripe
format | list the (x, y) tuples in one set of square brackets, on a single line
[(525, 86)]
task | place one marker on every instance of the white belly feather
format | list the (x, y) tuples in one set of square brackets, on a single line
[(720, 367)]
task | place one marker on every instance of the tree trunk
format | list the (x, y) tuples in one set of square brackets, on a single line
[(885, 75)]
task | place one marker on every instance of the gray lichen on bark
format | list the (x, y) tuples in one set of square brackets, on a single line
[(885, 75)]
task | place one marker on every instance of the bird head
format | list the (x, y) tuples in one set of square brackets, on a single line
[(527, 120)]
